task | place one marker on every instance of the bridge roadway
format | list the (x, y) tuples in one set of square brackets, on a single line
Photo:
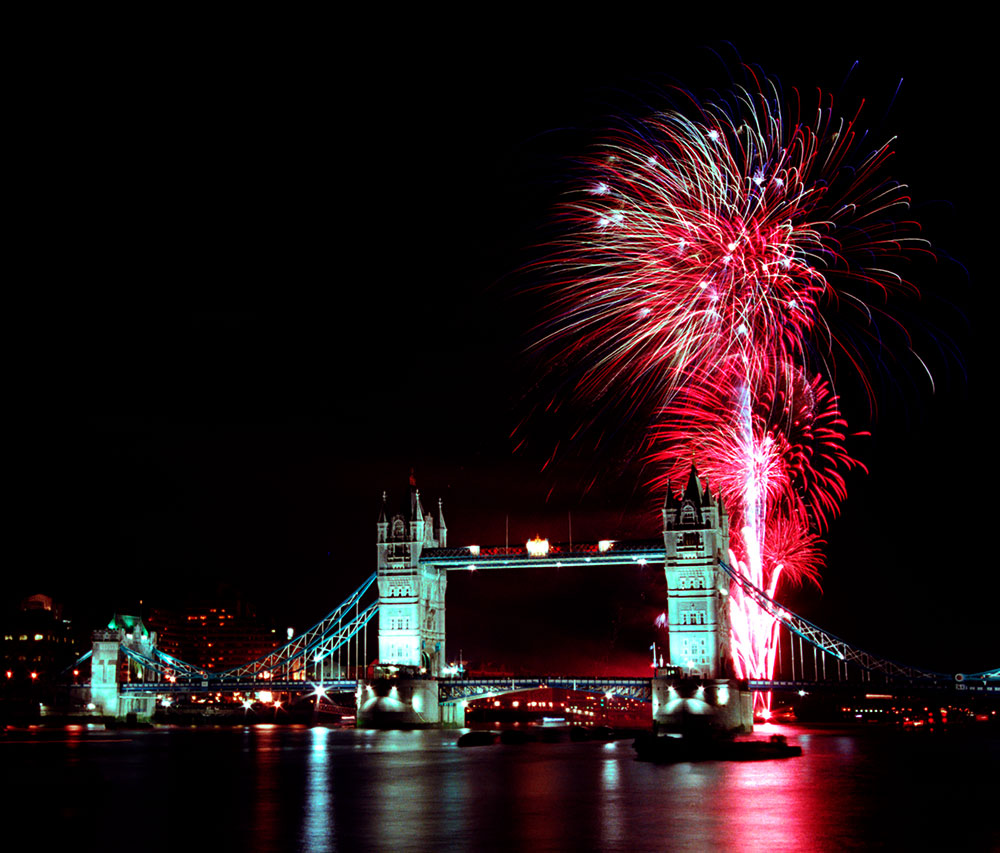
[(608, 553), (449, 689), (468, 689)]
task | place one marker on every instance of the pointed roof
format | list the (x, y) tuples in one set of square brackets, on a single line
[(669, 501), (693, 491)]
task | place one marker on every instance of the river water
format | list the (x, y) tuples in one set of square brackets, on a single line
[(273, 788)]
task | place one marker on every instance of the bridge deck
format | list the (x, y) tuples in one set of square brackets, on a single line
[(149, 688), (456, 689), (560, 554)]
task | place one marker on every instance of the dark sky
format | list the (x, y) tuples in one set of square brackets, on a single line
[(260, 286)]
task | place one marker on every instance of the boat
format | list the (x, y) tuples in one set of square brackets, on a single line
[(671, 748), (478, 738)]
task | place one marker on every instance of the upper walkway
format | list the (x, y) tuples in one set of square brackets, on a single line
[(608, 552)]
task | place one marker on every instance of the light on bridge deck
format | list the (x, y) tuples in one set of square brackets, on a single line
[(537, 547)]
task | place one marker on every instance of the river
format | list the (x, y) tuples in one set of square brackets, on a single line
[(275, 788)]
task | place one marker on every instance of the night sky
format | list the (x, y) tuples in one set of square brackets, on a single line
[(259, 289)]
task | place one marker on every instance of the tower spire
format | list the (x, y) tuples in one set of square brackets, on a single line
[(693, 491), (442, 527)]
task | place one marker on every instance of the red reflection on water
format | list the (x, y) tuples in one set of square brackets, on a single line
[(766, 805), (263, 744)]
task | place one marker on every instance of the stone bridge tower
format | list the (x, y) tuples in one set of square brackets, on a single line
[(109, 668), (412, 596), (696, 537)]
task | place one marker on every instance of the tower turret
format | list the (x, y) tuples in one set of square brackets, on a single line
[(383, 522), (442, 527)]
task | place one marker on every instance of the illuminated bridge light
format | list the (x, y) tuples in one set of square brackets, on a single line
[(604, 545), (474, 550), (537, 547)]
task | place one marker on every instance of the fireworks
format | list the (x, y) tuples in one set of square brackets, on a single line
[(713, 261)]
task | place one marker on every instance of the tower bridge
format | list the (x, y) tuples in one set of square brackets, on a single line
[(407, 595), (414, 560)]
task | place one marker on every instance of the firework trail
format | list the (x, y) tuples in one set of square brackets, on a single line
[(707, 251)]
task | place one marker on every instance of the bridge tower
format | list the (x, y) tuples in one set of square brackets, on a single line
[(109, 667), (696, 537), (412, 596)]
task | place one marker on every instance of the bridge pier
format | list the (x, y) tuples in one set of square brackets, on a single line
[(398, 703), (452, 715), (696, 704)]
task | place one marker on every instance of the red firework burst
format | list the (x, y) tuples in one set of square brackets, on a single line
[(704, 250)]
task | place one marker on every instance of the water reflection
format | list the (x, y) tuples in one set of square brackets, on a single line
[(262, 743), (765, 805), (286, 788), (538, 786), (613, 810), (317, 825), (405, 801)]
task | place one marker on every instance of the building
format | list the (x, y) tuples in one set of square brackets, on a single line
[(412, 597), (35, 638), (696, 539), (216, 635), (110, 667), (698, 689)]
